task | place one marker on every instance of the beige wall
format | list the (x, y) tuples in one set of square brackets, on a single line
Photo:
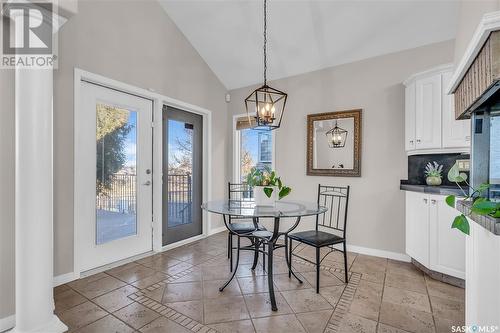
[(471, 12), (131, 41), (376, 212)]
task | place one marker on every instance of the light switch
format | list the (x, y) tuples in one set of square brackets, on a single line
[(463, 165)]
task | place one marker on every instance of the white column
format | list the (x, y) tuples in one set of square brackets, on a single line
[(34, 203)]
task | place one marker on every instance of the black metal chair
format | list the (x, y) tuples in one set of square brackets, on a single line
[(336, 199), (242, 193)]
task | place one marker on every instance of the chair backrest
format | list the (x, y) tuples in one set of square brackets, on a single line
[(239, 194), (336, 199)]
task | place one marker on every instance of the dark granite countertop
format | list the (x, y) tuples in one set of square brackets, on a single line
[(441, 190), (489, 223)]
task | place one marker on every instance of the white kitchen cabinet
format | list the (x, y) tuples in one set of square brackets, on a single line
[(447, 245), (456, 133), (410, 116), (428, 112), (430, 125), (430, 240), (417, 226)]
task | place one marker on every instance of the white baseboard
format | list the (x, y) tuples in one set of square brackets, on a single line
[(217, 230), (54, 325), (378, 253), (353, 248), (65, 278), (7, 323)]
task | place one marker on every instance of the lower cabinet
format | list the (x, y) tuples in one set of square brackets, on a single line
[(417, 227), (430, 240)]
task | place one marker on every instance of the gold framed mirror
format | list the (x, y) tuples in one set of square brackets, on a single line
[(334, 144)]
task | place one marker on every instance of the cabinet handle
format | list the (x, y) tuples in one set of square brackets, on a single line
[(433, 201), (418, 140), (411, 141), (425, 200)]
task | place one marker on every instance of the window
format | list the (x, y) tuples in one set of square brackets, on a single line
[(252, 149)]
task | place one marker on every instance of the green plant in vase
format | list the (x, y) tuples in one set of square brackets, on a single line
[(481, 205), (268, 183), (433, 172)]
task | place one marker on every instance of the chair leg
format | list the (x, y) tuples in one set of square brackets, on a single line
[(228, 245), (345, 263), (317, 270), (256, 244), (288, 256), (264, 257), (231, 253)]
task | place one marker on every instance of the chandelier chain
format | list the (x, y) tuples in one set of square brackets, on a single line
[(265, 42)]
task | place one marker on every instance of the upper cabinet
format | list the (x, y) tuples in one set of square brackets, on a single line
[(430, 124), (428, 112)]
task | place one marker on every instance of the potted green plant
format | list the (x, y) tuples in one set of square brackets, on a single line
[(433, 173), (266, 186), (480, 204)]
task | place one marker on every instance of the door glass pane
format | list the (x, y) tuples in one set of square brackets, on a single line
[(116, 197), (180, 171), (256, 150)]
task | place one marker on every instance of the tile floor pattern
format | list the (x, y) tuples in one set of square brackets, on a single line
[(177, 291)]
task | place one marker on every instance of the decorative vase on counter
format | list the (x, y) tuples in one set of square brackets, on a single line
[(433, 181), (433, 173), (260, 197)]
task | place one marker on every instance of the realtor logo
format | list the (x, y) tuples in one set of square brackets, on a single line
[(27, 35)]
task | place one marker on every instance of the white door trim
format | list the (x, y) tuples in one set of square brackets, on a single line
[(158, 101)]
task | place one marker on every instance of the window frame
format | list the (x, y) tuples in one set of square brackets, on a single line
[(236, 165)]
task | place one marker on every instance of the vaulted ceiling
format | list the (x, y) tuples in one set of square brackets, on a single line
[(304, 36)]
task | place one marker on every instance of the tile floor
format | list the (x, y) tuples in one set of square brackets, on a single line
[(177, 291)]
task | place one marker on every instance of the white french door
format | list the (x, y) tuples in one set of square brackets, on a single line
[(115, 146)]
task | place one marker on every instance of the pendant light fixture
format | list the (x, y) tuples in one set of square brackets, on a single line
[(336, 136), (267, 104)]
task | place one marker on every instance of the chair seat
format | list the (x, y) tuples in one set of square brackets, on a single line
[(244, 227), (316, 238)]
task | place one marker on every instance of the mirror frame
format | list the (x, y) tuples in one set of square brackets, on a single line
[(311, 118)]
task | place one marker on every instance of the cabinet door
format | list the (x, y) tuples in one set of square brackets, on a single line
[(456, 133), (410, 117), (428, 112), (417, 226), (447, 245)]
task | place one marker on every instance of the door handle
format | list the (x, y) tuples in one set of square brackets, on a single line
[(425, 200), (147, 183), (433, 201)]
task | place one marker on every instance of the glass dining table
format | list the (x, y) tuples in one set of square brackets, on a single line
[(247, 209)]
